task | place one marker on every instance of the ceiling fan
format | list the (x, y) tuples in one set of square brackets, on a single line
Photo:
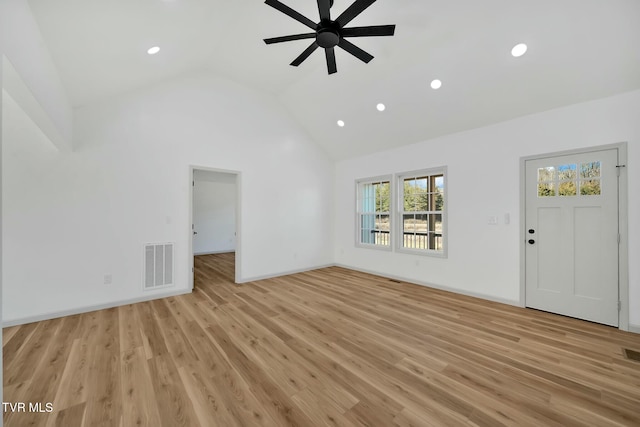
[(330, 33)]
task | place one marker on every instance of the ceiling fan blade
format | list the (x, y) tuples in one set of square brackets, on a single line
[(304, 55), (355, 51), (323, 8), (331, 60), (292, 13), (374, 30), (352, 11), (289, 38)]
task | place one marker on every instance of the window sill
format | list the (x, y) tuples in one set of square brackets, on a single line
[(423, 252), (385, 248)]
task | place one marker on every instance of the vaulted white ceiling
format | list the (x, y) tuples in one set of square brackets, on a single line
[(578, 50)]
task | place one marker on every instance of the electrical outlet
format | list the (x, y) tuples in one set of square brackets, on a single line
[(108, 279)]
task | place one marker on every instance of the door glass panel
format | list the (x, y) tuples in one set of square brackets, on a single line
[(567, 172), (546, 174), (590, 170), (546, 190), (567, 188), (590, 187)]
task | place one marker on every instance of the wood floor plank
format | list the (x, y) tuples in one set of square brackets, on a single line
[(69, 417), (104, 403), (206, 399), (129, 325), (280, 407), (331, 347), (139, 407)]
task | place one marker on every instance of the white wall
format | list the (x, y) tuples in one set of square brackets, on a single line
[(31, 76), (214, 212), (87, 213), (483, 181), (1, 133)]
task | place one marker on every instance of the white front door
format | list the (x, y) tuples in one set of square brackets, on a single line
[(571, 235)]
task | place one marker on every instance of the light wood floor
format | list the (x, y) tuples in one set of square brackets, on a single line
[(324, 348)]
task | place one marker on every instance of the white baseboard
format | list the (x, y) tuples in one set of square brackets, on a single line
[(87, 309), (228, 251), (283, 273), (634, 328), (434, 286)]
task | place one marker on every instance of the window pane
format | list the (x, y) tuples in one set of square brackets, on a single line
[(590, 170), (381, 231), (421, 183), (408, 223), (437, 242), (567, 188), (436, 223), (368, 198), (421, 225), (367, 236), (382, 197), (546, 174), (367, 221), (546, 190), (409, 202), (422, 202), (590, 188), (438, 204), (567, 172), (415, 241), (382, 222)]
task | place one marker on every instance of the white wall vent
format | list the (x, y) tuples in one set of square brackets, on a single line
[(158, 265)]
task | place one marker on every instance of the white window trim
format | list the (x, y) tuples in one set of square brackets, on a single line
[(397, 214), (371, 180)]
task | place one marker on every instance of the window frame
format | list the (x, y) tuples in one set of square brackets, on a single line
[(399, 212), (360, 212)]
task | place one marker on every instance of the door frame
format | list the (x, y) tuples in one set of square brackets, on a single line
[(623, 223), (190, 256)]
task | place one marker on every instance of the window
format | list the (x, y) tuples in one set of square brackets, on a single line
[(374, 213), (422, 211)]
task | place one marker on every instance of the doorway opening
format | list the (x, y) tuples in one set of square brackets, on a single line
[(214, 228)]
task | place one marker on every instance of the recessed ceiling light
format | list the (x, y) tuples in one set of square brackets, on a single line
[(436, 84), (519, 50), (381, 107), (153, 50), (340, 123)]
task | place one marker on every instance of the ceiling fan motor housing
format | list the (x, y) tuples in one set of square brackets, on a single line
[(328, 35)]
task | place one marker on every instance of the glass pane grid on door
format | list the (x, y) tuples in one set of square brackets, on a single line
[(574, 179)]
